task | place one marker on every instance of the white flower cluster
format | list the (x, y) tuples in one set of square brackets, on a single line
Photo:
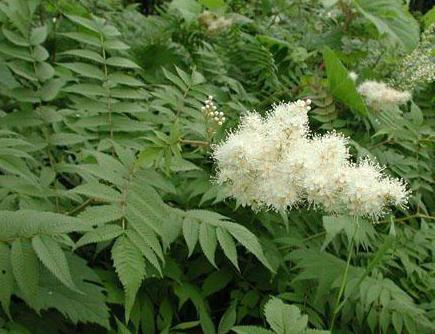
[(379, 93), (274, 163), (213, 23), (211, 112)]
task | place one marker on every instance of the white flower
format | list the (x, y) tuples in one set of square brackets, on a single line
[(273, 163), (353, 76), (379, 93)]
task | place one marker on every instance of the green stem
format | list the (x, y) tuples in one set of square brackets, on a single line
[(338, 306)]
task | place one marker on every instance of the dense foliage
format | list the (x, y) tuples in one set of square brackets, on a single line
[(110, 219)]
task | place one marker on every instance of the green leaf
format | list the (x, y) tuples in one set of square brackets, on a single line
[(250, 242), (83, 38), (86, 70), (145, 249), (122, 329), (213, 4), (44, 71), (50, 89), (284, 318), (14, 37), (215, 282), (84, 22), (114, 44), (98, 191), (38, 35), (86, 90), (251, 330), (101, 214), (121, 62), (22, 69), (228, 320), (189, 9), (87, 307), (340, 84), (390, 18), (27, 223), (6, 277), (208, 242), (333, 226), (64, 139), (53, 257), (429, 18), (228, 245), (86, 54), (100, 234), (25, 266), (124, 79), (40, 53), (130, 266), (15, 52), (191, 234)]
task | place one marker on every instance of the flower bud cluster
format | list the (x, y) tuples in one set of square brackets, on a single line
[(274, 163), (418, 67), (211, 112)]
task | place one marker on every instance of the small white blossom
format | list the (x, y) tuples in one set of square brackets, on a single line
[(353, 76)]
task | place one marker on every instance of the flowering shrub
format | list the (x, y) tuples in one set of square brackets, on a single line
[(139, 196)]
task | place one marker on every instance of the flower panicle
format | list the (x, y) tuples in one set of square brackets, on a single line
[(273, 162)]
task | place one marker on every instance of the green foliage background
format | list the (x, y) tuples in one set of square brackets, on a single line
[(109, 219)]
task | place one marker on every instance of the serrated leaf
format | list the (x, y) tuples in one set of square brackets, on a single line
[(65, 139), (250, 242), (101, 233), (83, 38), (87, 307), (98, 191), (27, 223), (101, 214), (86, 54), (52, 256), (191, 234), (86, 90), (208, 241), (130, 266), (84, 22), (25, 266), (124, 79), (114, 44), (86, 70), (121, 62), (228, 245), (145, 249), (284, 318), (6, 277)]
